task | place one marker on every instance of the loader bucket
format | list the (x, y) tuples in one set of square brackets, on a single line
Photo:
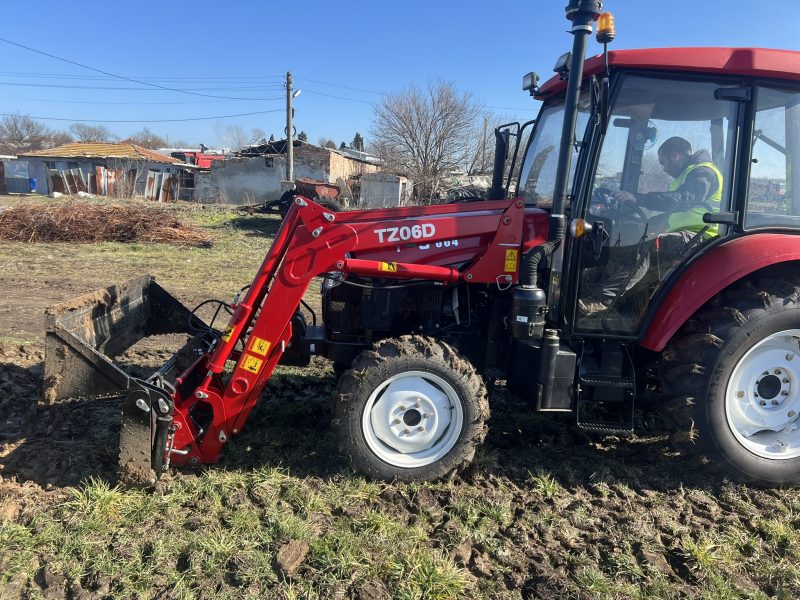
[(84, 334)]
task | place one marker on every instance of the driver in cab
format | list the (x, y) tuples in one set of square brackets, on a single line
[(696, 189)]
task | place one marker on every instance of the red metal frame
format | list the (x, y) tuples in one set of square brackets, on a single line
[(480, 243), (750, 62), (728, 263)]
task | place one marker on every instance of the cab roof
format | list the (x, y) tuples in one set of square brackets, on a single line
[(751, 62)]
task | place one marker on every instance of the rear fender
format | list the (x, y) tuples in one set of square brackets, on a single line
[(711, 273)]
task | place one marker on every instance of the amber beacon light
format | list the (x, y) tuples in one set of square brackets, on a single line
[(605, 28)]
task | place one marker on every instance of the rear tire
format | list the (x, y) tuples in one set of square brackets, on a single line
[(412, 409), (733, 374)]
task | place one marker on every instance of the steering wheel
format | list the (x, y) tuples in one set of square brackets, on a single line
[(604, 204)]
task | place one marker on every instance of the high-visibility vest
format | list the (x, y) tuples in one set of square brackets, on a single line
[(692, 219)]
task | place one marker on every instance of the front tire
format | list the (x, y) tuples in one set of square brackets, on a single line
[(734, 376), (410, 408)]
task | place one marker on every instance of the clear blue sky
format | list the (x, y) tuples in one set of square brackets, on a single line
[(243, 49)]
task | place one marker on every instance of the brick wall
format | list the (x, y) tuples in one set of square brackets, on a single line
[(345, 167), (332, 164)]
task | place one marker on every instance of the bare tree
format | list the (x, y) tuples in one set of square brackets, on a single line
[(235, 137), (425, 133), (258, 136), (59, 138), (19, 134), (327, 143), (147, 139), (84, 132)]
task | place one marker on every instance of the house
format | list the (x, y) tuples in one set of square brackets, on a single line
[(257, 174), (120, 170)]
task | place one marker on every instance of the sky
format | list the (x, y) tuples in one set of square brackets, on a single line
[(343, 56)]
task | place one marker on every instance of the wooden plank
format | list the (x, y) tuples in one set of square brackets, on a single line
[(77, 176)]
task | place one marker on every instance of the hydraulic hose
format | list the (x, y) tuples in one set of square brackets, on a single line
[(529, 274)]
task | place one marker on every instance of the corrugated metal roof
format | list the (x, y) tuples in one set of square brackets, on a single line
[(97, 150)]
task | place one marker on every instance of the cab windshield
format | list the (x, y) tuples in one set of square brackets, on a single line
[(538, 174)]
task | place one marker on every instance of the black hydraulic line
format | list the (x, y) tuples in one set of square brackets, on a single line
[(382, 287), (528, 276)]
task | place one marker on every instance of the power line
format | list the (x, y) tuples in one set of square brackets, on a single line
[(267, 79), (510, 108), (136, 89), (112, 103), (337, 97), (261, 112), (345, 87), (131, 79)]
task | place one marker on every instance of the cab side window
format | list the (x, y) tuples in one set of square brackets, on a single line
[(773, 197)]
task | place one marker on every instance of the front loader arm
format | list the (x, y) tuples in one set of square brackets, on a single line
[(310, 242)]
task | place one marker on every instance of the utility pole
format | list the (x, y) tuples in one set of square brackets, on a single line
[(483, 144), (289, 130)]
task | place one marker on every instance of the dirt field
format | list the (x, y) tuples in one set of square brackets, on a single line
[(545, 512)]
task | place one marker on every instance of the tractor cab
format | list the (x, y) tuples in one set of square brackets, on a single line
[(636, 218)]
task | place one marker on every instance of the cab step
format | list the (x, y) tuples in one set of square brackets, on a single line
[(605, 404)]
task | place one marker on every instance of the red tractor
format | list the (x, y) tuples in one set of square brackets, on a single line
[(650, 247)]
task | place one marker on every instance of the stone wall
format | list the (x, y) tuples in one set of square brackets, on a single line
[(247, 181)]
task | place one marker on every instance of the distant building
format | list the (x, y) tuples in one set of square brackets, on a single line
[(384, 190), (257, 174), (121, 170)]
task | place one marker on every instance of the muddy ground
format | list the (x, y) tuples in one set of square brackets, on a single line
[(546, 511)]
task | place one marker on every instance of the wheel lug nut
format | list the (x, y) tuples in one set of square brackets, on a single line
[(740, 394), (791, 414), (777, 371), (421, 428), (417, 405), (406, 431), (425, 416), (765, 373), (785, 380), (774, 403), (789, 356), (403, 408), (396, 422), (784, 393), (762, 403)]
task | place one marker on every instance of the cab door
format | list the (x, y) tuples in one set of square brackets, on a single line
[(643, 224)]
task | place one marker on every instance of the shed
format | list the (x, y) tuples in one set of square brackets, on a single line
[(384, 190), (121, 170)]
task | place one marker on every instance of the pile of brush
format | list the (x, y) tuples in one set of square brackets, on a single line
[(84, 222)]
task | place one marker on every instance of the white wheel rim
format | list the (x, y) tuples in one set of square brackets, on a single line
[(412, 419), (762, 401)]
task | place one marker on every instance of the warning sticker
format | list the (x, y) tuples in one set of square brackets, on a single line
[(226, 335), (389, 267), (252, 364), (259, 346), (511, 261)]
